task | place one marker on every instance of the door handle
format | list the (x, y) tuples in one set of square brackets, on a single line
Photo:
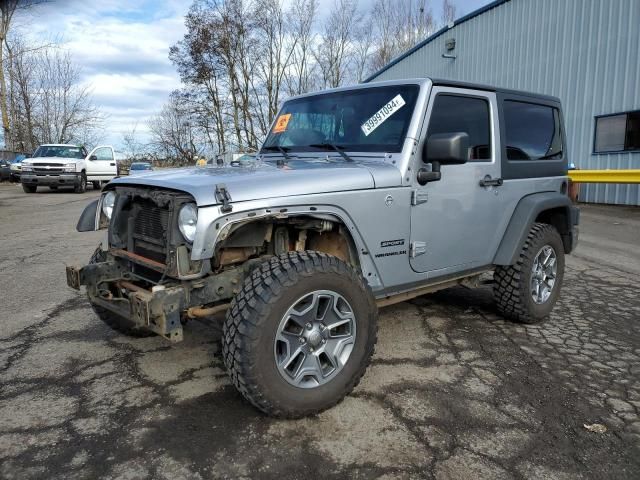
[(112, 164), (487, 181)]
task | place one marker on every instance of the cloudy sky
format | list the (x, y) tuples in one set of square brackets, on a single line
[(122, 46)]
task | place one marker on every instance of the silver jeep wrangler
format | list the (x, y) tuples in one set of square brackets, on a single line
[(360, 197)]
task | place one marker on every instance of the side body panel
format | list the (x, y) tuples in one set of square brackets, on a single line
[(456, 223), (104, 168)]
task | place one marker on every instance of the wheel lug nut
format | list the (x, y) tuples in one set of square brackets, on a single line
[(324, 340), (309, 326), (301, 340), (322, 327), (311, 349)]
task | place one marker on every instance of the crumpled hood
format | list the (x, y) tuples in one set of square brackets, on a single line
[(263, 180)]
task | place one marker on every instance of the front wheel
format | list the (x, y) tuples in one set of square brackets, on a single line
[(29, 188), (527, 291), (81, 186), (300, 334)]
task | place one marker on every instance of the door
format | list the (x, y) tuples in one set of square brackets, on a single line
[(456, 222), (101, 164)]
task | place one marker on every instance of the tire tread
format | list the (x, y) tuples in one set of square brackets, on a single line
[(508, 291), (261, 288)]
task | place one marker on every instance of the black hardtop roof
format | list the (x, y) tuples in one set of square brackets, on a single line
[(506, 91)]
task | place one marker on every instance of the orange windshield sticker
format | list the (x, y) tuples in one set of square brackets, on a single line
[(281, 123)]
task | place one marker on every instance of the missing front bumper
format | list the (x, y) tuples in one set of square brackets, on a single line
[(157, 311)]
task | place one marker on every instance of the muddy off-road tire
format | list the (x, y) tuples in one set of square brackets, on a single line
[(300, 334), (527, 291), (116, 322)]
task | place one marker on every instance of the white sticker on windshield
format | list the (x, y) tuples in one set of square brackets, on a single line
[(381, 115)]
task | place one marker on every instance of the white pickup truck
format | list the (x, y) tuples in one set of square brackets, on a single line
[(63, 165)]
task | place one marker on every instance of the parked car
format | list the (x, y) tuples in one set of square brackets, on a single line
[(62, 165), (363, 196), (138, 168), (5, 170), (15, 167)]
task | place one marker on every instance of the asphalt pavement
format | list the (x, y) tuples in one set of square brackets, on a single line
[(454, 391)]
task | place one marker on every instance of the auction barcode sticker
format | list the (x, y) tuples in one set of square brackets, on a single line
[(381, 115)]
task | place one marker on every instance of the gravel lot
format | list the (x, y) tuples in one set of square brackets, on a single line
[(454, 391)]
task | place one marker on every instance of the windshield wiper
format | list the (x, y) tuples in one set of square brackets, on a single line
[(282, 150), (333, 146)]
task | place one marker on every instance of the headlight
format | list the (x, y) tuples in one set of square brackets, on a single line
[(69, 167), (107, 204), (187, 220), (27, 168)]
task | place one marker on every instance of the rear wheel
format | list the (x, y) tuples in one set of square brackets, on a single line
[(81, 186), (53, 187), (97, 185), (300, 334), (29, 188), (527, 291), (114, 321)]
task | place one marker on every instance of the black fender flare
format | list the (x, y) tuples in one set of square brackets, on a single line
[(529, 208), (87, 221)]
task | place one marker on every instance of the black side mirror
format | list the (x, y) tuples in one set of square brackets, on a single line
[(443, 149), (93, 157), (447, 148)]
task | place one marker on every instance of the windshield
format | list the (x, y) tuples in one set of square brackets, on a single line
[(140, 166), (59, 151), (364, 120)]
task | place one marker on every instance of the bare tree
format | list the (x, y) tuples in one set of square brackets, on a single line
[(233, 62), (276, 49), (175, 133), (448, 12), (400, 25), (133, 148), (203, 71), (239, 58), (65, 109), (363, 47), (333, 53), (302, 18), (8, 11)]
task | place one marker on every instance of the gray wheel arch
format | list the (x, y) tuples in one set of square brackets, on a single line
[(554, 208)]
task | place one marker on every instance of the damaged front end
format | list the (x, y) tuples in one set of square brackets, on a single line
[(110, 286), (146, 276), (149, 273)]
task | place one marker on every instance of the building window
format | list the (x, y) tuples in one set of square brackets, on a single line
[(457, 113), (617, 133), (533, 131)]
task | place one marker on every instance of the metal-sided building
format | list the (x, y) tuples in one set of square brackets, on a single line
[(586, 52)]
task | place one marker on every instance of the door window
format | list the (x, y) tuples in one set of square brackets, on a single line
[(533, 131), (103, 153), (458, 113)]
